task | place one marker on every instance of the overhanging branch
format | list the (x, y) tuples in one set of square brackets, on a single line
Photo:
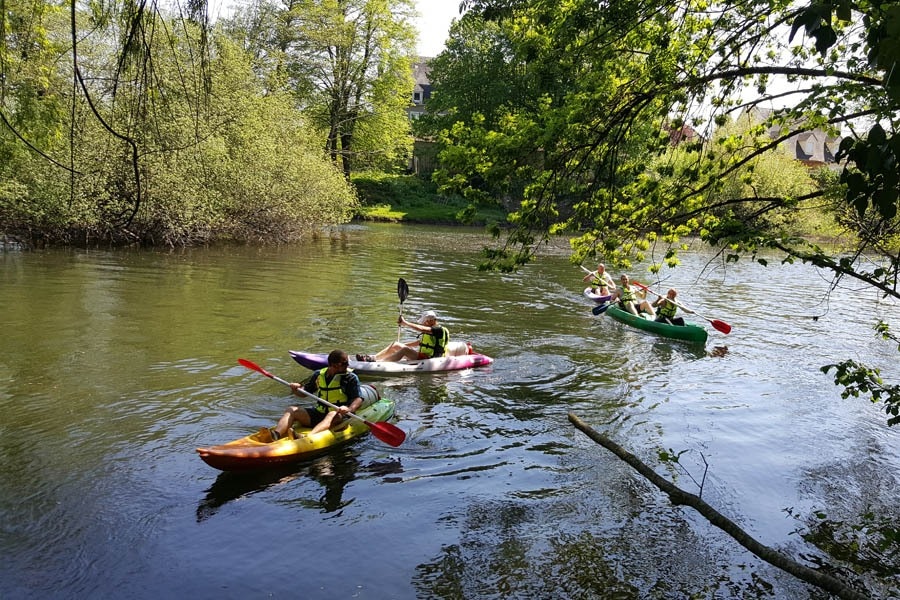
[(681, 497)]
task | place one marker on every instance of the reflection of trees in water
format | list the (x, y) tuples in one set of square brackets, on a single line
[(498, 558), (859, 529), (505, 550), (333, 471), (431, 395)]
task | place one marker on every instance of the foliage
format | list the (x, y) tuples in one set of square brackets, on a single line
[(172, 139), (621, 172), (389, 197), (348, 65), (858, 379), (474, 75), (624, 175)]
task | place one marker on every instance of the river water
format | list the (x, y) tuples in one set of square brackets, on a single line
[(116, 365)]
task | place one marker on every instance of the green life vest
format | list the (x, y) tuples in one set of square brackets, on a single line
[(434, 347), (627, 293)]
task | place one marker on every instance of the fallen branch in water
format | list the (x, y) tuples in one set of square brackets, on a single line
[(681, 497)]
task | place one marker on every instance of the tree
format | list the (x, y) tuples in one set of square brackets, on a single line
[(646, 67), (348, 64), (476, 74), (641, 70), (123, 125), (553, 135)]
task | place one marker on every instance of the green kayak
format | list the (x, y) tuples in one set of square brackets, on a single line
[(688, 332)]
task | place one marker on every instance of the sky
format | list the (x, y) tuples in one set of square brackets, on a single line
[(434, 24)]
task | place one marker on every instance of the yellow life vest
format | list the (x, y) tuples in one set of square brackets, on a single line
[(666, 309), (331, 391), (434, 347)]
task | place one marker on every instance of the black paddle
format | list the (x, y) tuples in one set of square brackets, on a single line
[(402, 293), (599, 310)]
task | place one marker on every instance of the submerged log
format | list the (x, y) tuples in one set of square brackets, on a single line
[(681, 497)]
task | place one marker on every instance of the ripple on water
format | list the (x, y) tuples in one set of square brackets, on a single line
[(117, 367)]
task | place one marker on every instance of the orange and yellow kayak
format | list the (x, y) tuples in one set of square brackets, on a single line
[(260, 451)]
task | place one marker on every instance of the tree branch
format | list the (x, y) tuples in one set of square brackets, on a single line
[(680, 497), (32, 146)]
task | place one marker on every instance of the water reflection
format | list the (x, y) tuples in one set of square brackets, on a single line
[(332, 471), (498, 534), (230, 486), (387, 469), (139, 347), (665, 351)]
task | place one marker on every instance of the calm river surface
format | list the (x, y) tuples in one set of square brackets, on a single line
[(115, 366)]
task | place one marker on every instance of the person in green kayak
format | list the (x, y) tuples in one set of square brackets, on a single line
[(665, 309), (432, 343), (335, 383), (628, 298)]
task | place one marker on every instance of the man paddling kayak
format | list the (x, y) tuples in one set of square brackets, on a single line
[(600, 279), (627, 298), (433, 342), (666, 308), (335, 384)]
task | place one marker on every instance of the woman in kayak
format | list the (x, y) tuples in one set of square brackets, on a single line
[(433, 342), (627, 298), (336, 384)]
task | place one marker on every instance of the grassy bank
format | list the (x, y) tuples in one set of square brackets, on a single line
[(410, 199)]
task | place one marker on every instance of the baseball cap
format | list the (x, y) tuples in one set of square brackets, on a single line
[(428, 314)]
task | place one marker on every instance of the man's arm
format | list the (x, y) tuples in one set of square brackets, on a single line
[(351, 390)]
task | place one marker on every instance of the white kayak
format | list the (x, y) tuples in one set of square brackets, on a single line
[(588, 293), (459, 356)]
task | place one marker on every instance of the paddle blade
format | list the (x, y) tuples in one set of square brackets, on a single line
[(599, 310), (387, 433), (402, 290), (721, 325), (253, 366), (647, 289)]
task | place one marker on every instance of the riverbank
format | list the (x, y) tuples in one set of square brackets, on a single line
[(410, 199)]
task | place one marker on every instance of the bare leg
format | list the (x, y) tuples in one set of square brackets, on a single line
[(324, 423), (396, 352), (648, 308), (389, 351), (291, 415)]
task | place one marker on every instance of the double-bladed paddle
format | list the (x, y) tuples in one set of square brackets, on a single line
[(402, 293), (384, 431), (601, 308), (719, 325)]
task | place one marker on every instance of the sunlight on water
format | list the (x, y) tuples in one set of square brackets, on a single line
[(117, 365)]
